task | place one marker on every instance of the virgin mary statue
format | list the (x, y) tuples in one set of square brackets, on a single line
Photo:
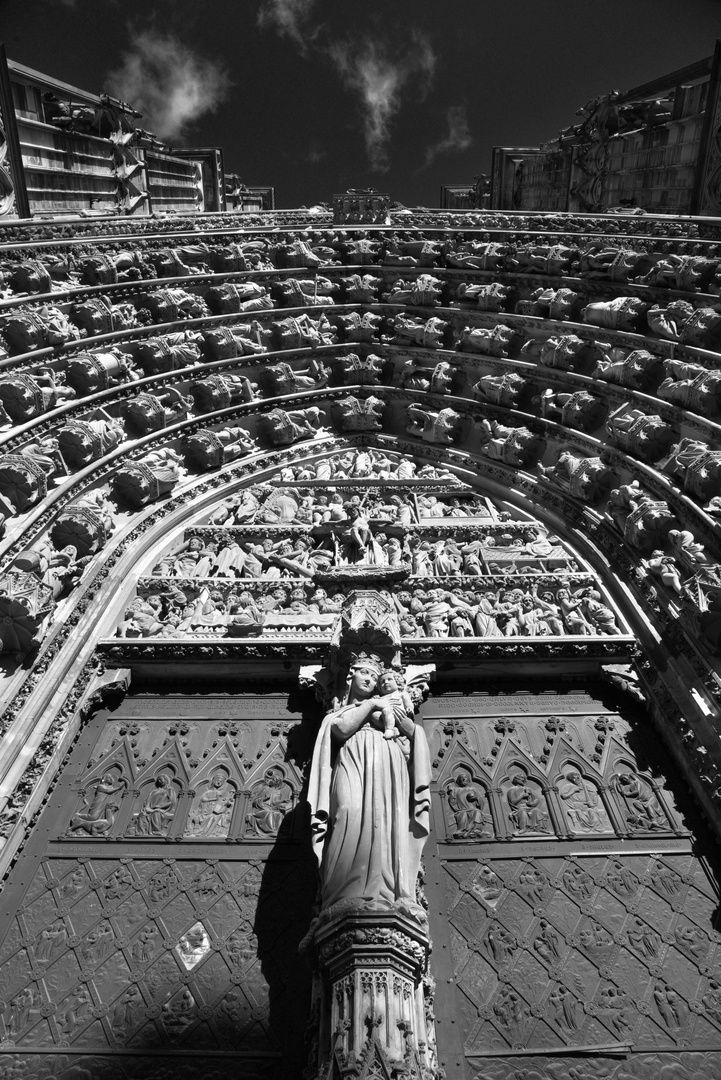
[(369, 794)]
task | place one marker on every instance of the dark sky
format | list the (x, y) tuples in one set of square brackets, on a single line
[(401, 95)]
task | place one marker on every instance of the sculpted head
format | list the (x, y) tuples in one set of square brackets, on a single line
[(364, 673)]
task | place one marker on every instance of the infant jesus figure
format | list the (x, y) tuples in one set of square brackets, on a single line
[(390, 686)]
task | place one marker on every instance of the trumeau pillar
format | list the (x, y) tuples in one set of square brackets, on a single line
[(369, 793)]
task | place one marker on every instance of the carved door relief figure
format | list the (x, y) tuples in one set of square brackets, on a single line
[(158, 803), (212, 807), (271, 799), (640, 803), (102, 799), (468, 804), (526, 805), (582, 803)]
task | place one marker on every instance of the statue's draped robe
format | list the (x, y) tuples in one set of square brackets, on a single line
[(370, 812)]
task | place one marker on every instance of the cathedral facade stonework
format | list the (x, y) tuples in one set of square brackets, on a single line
[(360, 648)]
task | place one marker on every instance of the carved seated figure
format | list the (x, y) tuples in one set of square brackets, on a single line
[(491, 342), (564, 352), (209, 449), (554, 259), (88, 373), (138, 483), (222, 391), (665, 568), (282, 427), (493, 297), (105, 269), (30, 276), (234, 257), (308, 292), (357, 327), (361, 371), (83, 441), (37, 328), (362, 251), (25, 397), (512, 445), (643, 521), (96, 315), (583, 477), (686, 550), (301, 332), (479, 256), (647, 437), (624, 313), (356, 414), (424, 252), (435, 427), (243, 339), (168, 352), (680, 321), (557, 304), (425, 291), (692, 386), (634, 369), (503, 390), (152, 412), (281, 378), (232, 298), (614, 264), (361, 290), (579, 410), (697, 465), (84, 524), (171, 305), (409, 329), (689, 273), (438, 380)]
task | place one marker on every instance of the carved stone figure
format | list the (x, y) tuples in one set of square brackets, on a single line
[(643, 810), (689, 273), (582, 803), (98, 814), (96, 315), (680, 321), (697, 465), (633, 369), (583, 477), (359, 414), (599, 260), (362, 371), (357, 327), (691, 386), (282, 427), (173, 305), (414, 330), (543, 259), (221, 391), (301, 331), (425, 291), (138, 483), (501, 390), (368, 847), (25, 397), (557, 304), (156, 814), (514, 446), (647, 437), (235, 298), (623, 313), (88, 373), (168, 352), (492, 297), (434, 427), (361, 289), (526, 809), (271, 799), (468, 805), (493, 342), (212, 809), (278, 379), (37, 328), (564, 352), (210, 449), (83, 441), (243, 339), (579, 410)]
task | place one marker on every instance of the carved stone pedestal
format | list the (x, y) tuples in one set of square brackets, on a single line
[(376, 1020)]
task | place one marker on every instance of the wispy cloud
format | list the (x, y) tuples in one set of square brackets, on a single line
[(380, 75), (458, 135), (290, 19), (168, 83)]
